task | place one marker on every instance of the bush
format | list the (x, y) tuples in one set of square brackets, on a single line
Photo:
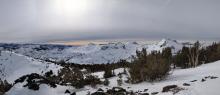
[(106, 82), (4, 86), (71, 76), (108, 73), (92, 80), (211, 53), (154, 66)]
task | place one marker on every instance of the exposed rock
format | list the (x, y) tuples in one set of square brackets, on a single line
[(213, 77), (203, 80), (145, 94), (193, 81), (100, 90), (74, 93), (118, 89), (145, 90), (34, 80), (99, 93), (169, 88), (154, 93), (186, 84), (67, 91), (207, 77)]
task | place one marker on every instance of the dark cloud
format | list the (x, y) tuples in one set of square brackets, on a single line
[(41, 21)]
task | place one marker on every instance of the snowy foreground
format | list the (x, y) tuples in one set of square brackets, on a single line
[(177, 77)]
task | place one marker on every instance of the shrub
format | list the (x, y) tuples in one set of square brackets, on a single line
[(106, 82), (119, 81), (92, 80), (108, 73), (4, 86), (154, 66), (71, 76)]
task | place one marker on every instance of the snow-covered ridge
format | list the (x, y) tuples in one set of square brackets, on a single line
[(94, 53), (13, 66)]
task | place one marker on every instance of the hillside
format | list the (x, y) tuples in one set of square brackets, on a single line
[(13, 66)]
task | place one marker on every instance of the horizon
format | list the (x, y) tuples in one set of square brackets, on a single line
[(107, 41)]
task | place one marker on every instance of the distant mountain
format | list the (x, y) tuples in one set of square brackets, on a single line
[(91, 53)]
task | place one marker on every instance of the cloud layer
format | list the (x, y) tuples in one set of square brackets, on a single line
[(47, 20)]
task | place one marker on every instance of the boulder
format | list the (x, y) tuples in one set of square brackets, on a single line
[(203, 80), (99, 93), (186, 84), (169, 88), (67, 91), (213, 77), (193, 81), (145, 94), (154, 93)]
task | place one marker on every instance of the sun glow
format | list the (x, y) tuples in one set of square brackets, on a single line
[(71, 7)]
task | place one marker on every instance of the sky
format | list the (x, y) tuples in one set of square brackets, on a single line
[(78, 20)]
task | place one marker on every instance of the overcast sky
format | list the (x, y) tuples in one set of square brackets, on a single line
[(67, 20)]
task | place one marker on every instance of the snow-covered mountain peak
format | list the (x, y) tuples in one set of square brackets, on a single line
[(94, 53), (167, 42)]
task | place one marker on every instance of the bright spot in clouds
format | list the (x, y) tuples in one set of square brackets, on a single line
[(70, 7)]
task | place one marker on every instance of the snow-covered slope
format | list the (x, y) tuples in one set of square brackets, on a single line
[(177, 77), (94, 53), (13, 66)]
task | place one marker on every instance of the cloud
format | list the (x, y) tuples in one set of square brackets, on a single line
[(43, 21)]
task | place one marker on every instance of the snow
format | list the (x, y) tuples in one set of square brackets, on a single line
[(177, 77), (18, 89), (96, 53), (13, 66)]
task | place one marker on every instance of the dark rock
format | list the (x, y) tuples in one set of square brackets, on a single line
[(34, 80), (203, 80), (99, 93), (110, 91), (213, 77), (168, 88), (74, 93), (154, 93), (67, 91), (145, 94), (207, 77), (117, 91), (100, 90), (145, 90), (186, 84), (193, 81)]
